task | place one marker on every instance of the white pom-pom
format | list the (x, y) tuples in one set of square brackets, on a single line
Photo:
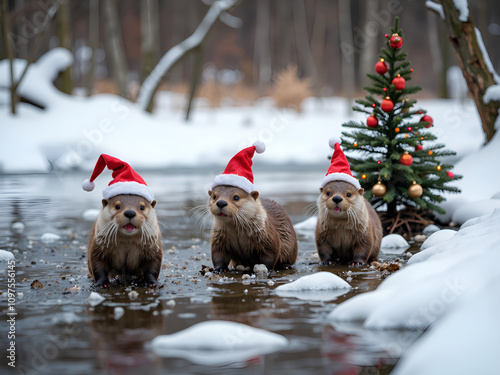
[(87, 185), (333, 141), (260, 147)]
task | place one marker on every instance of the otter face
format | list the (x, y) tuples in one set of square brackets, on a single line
[(129, 213), (226, 201), (339, 196)]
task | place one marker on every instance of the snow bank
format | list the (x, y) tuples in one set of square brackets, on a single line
[(436, 283), (437, 238), (474, 209), (218, 343), (307, 227), (394, 244)]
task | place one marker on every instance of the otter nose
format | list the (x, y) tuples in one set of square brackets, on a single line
[(129, 214), (337, 199), (221, 204)]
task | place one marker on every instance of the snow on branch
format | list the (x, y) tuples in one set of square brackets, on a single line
[(486, 56), (438, 8), (175, 53), (463, 9)]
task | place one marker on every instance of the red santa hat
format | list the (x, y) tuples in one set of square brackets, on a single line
[(238, 172), (125, 179), (339, 168)]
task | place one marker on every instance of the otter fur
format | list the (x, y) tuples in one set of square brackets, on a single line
[(126, 240), (248, 230), (348, 229)]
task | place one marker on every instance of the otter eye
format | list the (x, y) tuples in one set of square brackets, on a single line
[(348, 194), (236, 198), (328, 193), (214, 197), (117, 206), (142, 208)]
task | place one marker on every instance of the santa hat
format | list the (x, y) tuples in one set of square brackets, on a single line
[(125, 179), (339, 168), (238, 172)]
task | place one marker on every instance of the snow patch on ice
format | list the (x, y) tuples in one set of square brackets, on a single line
[(50, 237), (307, 227), (316, 281), (218, 343), (394, 244), (6, 256), (91, 214)]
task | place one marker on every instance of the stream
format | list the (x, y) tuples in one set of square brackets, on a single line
[(58, 331)]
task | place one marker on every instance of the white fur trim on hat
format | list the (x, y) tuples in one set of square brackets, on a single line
[(87, 185), (233, 180), (340, 177), (260, 147), (332, 141), (130, 188)]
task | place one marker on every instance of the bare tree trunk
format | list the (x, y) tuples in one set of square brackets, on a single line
[(93, 41), (302, 41), (282, 35), (261, 57), (438, 71), (63, 30), (196, 76), (470, 56), (150, 32), (6, 31), (116, 50), (318, 37), (345, 32), (368, 46)]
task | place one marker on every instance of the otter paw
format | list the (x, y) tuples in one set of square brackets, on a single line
[(326, 263), (220, 270), (356, 263), (102, 283)]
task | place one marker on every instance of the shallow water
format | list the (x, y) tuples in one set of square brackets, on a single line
[(59, 332)]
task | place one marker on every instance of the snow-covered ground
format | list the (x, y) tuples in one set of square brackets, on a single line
[(72, 131), (452, 289)]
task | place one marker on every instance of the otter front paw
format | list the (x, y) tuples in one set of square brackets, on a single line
[(102, 283), (220, 270), (149, 280), (356, 263)]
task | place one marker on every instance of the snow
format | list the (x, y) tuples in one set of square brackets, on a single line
[(6, 256), (175, 53), (448, 287), (50, 237), (474, 209), (91, 214), (394, 244), (18, 227), (437, 238), (492, 93), (463, 9), (218, 343), (260, 268), (95, 298), (320, 286), (307, 227), (438, 8), (429, 229), (468, 335)]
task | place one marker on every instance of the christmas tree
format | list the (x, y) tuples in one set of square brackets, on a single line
[(395, 157)]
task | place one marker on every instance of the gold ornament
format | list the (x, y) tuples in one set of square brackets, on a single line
[(379, 189), (415, 190)]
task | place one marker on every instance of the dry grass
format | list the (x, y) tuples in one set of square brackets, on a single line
[(289, 90)]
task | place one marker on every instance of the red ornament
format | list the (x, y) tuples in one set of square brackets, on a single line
[(406, 159), (374, 105), (372, 121), (396, 41), (419, 148), (428, 119), (381, 67), (450, 174), (399, 82), (387, 105), (386, 35)]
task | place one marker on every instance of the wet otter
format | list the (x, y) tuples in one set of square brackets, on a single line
[(247, 230), (125, 239), (348, 229)]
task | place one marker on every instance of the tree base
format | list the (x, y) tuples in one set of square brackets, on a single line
[(408, 221)]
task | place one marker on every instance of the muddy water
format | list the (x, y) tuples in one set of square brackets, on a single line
[(57, 330)]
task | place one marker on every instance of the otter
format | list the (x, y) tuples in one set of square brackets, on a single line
[(348, 229), (125, 239), (248, 230)]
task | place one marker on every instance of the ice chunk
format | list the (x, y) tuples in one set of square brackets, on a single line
[(6, 256), (95, 299), (90, 214), (50, 237), (394, 244)]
